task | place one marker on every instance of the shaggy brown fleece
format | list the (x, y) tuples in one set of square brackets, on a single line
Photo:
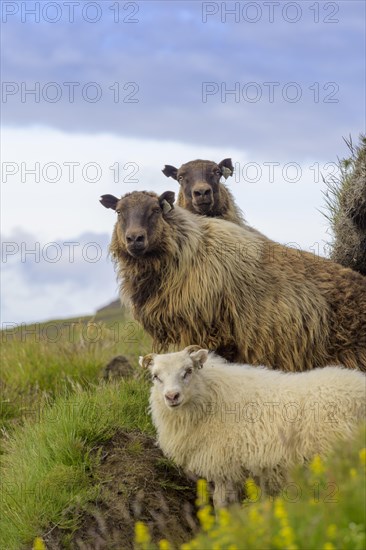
[(192, 279)]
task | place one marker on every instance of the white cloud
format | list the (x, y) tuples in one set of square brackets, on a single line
[(43, 280)]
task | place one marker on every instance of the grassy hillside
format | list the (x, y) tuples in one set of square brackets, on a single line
[(80, 469), (73, 444), (45, 360)]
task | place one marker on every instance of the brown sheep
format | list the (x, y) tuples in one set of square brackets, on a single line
[(201, 191), (193, 279)]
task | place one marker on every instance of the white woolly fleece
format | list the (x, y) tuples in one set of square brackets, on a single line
[(238, 420)]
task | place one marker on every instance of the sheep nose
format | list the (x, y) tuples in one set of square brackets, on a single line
[(135, 238), (203, 192), (172, 396)]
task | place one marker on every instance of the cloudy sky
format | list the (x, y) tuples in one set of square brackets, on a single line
[(98, 96)]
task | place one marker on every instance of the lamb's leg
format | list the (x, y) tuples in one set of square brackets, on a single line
[(274, 480), (226, 493)]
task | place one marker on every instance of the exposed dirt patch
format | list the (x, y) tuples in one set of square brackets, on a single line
[(136, 483)]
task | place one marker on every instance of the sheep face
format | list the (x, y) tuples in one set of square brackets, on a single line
[(173, 374), (140, 222), (200, 181)]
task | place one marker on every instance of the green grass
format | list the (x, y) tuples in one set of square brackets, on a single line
[(56, 413), (54, 409), (48, 466), (36, 367)]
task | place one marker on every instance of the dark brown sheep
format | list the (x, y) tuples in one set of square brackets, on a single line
[(202, 192), (193, 279)]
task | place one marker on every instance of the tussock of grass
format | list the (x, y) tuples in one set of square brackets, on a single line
[(338, 186), (345, 208), (48, 465)]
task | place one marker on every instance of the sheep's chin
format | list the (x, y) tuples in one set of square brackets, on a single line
[(173, 405), (202, 208), (137, 252)]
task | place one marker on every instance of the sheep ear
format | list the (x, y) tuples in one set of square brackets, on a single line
[(226, 167), (147, 360), (166, 207), (191, 349), (199, 357), (170, 171), (166, 201), (109, 201)]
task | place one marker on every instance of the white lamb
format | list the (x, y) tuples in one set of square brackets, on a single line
[(227, 422)]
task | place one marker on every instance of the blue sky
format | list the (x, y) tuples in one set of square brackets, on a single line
[(173, 69)]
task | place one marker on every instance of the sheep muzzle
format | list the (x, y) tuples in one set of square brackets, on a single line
[(136, 241), (202, 197)]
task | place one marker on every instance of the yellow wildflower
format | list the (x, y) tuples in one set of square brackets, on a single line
[(353, 473), (206, 518), (317, 466), (255, 517), (224, 517), (164, 545), (202, 493), (279, 509), (186, 546), (286, 534), (331, 530), (142, 535), (38, 544), (362, 455), (252, 490), (328, 546)]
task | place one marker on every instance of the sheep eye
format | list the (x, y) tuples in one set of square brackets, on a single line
[(180, 178), (187, 373), (118, 212), (218, 172), (156, 377), (156, 210)]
